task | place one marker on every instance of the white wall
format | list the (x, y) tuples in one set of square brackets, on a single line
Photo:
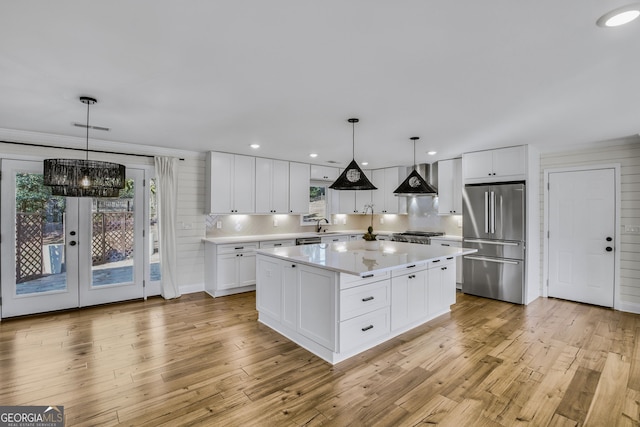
[(626, 152), (190, 229)]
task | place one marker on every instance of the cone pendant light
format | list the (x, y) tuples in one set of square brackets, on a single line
[(414, 184), (353, 178)]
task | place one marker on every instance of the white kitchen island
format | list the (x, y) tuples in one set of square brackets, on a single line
[(337, 300)]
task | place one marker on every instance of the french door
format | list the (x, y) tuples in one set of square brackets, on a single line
[(67, 252)]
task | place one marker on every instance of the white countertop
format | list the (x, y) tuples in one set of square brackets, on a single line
[(284, 236), (352, 258)]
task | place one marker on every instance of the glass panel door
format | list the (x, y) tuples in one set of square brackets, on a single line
[(59, 252), (115, 246), (35, 247)]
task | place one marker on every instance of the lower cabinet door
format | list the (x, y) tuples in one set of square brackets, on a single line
[(269, 290), (247, 269), (290, 295), (317, 305), (363, 329), (226, 275)]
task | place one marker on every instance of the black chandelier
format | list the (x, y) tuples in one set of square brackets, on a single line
[(353, 178), (84, 178)]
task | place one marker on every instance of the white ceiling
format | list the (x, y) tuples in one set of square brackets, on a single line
[(219, 75)]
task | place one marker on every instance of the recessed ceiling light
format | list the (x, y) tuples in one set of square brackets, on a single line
[(365, 163), (620, 16), (431, 153), (314, 155), (255, 146)]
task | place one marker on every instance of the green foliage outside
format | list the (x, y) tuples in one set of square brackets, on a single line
[(32, 196)]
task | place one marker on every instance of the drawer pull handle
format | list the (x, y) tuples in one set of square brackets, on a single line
[(434, 261), (445, 244), (367, 299), (412, 276), (450, 258), (443, 268), (366, 276), (277, 244), (411, 266), (239, 248), (366, 328)]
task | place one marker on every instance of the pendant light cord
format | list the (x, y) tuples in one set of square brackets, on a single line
[(87, 144), (353, 140)]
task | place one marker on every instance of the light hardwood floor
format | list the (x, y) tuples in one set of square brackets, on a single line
[(205, 361)]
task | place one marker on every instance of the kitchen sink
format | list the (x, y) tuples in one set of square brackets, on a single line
[(322, 233)]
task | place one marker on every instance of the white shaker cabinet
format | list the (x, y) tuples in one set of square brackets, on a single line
[(230, 268), (299, 181), (453, 244), (324, 173), (387, 180), (230, 183), (408, 297), (440, 292), (502, 164), (352, 201), (272, 186), (450, 187)]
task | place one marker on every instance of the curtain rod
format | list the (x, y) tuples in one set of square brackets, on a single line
[(30, 144)]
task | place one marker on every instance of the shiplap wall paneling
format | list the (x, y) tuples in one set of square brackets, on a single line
[(626, 152)]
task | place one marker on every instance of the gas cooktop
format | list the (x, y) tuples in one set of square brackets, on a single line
[(423, 237)]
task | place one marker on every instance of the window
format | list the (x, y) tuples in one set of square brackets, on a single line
[(319, 205)]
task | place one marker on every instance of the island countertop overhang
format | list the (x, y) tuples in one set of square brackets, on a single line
[(352, 257)]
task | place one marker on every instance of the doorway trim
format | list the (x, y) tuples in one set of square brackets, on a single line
[(545, 250)]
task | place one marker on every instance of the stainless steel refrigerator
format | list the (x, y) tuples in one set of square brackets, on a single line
[(493, 221)]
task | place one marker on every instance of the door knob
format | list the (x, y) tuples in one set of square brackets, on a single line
[(608, 248), (72, 243), (72, 233), (609, 239)]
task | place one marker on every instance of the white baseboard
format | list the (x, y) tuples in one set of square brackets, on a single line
[(629, 307), (191, 288)]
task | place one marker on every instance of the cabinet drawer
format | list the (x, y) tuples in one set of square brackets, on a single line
[(364, 299), (349, 280), (363, 329), (441, 262), (238, 247), (277, 244), (413, 268)]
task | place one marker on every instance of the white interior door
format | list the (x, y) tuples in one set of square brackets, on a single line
[(55, 256), (582, 236)]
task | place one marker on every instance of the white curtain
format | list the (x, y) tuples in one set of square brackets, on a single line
[(167, 199)]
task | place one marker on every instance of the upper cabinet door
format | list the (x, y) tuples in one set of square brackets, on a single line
[(264, 170), (509, 162), (244, 176), (230, 183), (219, 172), (503, 164), (378, 196), (393, 177), (477, 165), (299, 183), (324, 173), (272, 186), (450, 187)]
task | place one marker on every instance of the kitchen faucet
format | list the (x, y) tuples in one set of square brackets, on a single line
[(318, 227)]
